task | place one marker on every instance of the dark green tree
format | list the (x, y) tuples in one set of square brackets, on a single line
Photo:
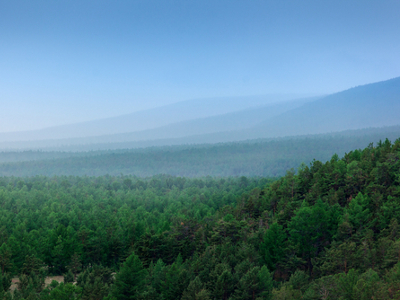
[(272, 248), (130, 280), (310, 228)]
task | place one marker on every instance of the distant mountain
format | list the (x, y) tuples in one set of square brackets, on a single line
[(238, 120), (371, 105), (367, 106), (148, 119), (230, 121)]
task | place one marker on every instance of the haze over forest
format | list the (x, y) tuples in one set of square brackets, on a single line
[(199, 150), (263, 136), (193, 75)]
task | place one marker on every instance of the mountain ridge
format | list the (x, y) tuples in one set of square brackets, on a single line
[(371, 105), (148, 119)]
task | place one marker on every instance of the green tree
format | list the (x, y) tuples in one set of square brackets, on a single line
[(358, 211), (95, 282), (265, 283), (367, 285), (223, 281), (5, 258), (310, 227), (75, 266), (31, 265), (347, 284), (340, 258), (196, 291), (69, 277), (176, 280), (5, 282), (64, 292), (272, 248), (130, 280), (255, 284)]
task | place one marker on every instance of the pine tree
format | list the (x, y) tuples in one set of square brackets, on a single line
[(31, 265), (255, 284), (347, 284), (5, 258), (272, 248), (265, 283), (69, 277), (130, 280), (310, 227), (223, 281), (64, 292), (75, 266), (5, 282), (195, 291)]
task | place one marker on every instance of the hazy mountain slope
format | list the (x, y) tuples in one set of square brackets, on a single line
[(367, 106), (371, 105), (225, 122), (231, 121), (147, 119)]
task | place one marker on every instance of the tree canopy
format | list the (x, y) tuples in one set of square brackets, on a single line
[(328, 231)]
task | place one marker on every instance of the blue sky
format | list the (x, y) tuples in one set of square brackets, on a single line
[(67, 61)]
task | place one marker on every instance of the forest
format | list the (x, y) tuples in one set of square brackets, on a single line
[(329, 230), (260, 157)]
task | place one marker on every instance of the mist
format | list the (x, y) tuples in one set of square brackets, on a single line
[(83, 78)]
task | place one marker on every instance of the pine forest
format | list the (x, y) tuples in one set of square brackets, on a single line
[(325, 231)]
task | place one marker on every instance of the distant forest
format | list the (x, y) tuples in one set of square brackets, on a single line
[(267, 158)]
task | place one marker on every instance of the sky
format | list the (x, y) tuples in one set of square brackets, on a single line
[(69, 61)]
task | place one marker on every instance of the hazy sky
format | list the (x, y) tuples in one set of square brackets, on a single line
[(66, 61)]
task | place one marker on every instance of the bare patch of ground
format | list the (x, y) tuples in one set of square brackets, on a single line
[(47, 281)]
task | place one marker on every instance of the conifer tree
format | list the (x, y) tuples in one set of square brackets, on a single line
[(5, 282), (272, 248), (75, 266), (69, 277), (130, 280), (223, 281), (5, 258), (195, 291)]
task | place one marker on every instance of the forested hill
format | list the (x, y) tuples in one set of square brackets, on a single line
[(269, 158), (329, 232)]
